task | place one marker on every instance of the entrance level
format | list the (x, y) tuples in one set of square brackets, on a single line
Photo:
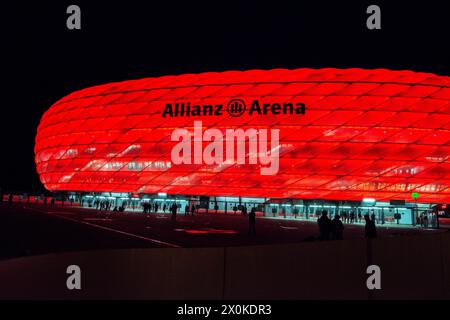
[(234, 205), (309, 210), (159, 203), (349, 211), (354, 212), (348, 214)]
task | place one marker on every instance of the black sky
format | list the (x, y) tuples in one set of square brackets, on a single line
[(43, 61)]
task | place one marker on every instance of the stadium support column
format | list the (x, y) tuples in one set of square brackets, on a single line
[(307, 210), (437, 217)]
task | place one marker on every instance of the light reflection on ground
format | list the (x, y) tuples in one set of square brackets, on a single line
[(288, 228), (208, 231)]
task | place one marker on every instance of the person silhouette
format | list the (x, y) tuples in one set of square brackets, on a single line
[(370, 228), (337, 228), (352, 217), (345, 216), (174, 209), (372, 217), (324, 226)]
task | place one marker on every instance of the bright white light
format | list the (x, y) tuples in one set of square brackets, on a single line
[(369, 200), (162, 194)]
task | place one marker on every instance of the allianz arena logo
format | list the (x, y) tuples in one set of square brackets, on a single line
[(235, 107)]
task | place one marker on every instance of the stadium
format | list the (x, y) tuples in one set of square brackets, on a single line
[(369, 141)]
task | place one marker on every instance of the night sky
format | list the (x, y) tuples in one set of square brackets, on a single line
[(42, 60)]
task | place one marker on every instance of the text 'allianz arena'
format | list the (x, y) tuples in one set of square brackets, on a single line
[(343, 134)]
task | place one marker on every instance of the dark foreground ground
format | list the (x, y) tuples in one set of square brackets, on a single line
[(30, 230)]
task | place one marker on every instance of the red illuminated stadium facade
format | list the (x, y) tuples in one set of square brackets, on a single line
[(356, 134)]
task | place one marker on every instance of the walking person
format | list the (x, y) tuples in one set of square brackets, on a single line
[(397, 217), (174, 209), (150, 207), (295, 213), (252, 221), (352, 217)]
